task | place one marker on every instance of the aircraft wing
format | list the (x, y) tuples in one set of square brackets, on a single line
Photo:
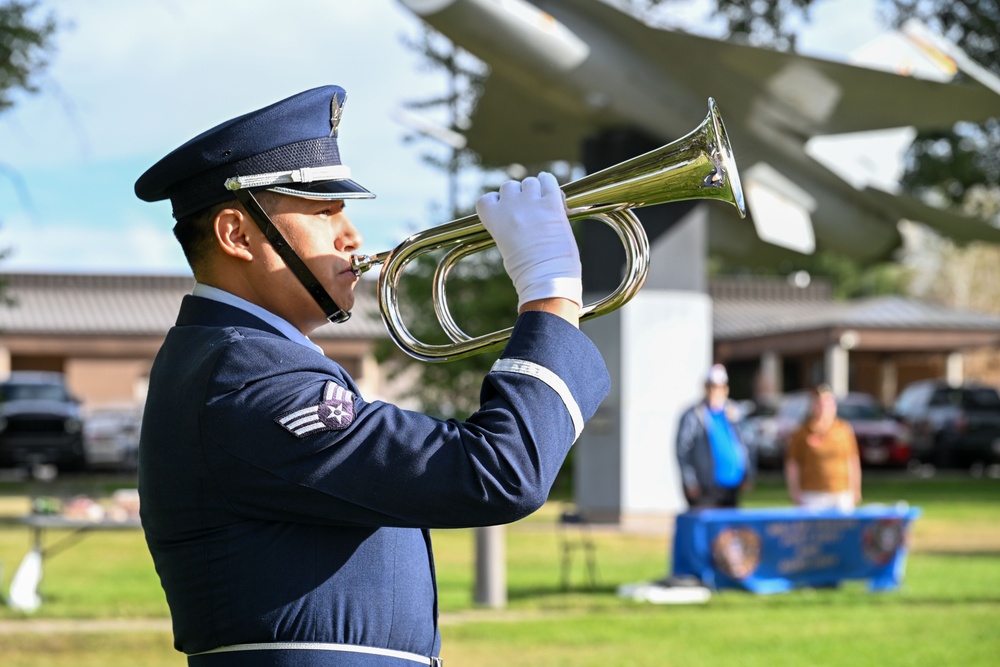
[(512, 125), (959, 228), (819, 96), (562, 70), (796, 94)]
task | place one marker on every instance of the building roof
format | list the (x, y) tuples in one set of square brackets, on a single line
[(768, 288), (127, 305), (147, 305), (748, 319)]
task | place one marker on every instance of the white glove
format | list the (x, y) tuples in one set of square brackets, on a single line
[(528, 222)]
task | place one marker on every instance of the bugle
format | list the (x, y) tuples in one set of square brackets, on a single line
[(699, 165)]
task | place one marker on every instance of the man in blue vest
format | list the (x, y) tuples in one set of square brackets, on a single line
[(715, 464), (288, 517)]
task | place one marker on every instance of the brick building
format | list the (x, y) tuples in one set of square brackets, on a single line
[(103, 331), (776, 337)]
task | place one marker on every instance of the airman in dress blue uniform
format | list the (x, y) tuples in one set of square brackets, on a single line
[(288, 517)]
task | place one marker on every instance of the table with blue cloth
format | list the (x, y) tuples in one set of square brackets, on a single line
[(775, 550)]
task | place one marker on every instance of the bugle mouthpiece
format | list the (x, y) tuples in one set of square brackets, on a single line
[(362, 263)]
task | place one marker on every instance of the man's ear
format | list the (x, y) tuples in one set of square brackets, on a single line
[(232, 233)]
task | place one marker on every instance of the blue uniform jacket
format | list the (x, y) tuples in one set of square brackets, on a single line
[(279, 505)]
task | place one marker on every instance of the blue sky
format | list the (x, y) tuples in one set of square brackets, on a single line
[(129, 81)]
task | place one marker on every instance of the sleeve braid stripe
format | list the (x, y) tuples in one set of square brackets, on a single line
[(551, 379)]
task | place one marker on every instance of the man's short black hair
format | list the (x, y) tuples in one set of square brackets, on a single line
[(196, 234)]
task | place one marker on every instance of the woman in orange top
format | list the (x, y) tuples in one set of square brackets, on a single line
[(822, 466)]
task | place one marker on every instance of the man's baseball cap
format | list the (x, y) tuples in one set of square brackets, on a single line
[(717, 376), (288, 147)]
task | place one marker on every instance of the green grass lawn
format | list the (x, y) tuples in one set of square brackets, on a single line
[(946, 612)]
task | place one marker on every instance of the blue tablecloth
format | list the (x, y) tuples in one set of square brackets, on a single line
[(774, 550)]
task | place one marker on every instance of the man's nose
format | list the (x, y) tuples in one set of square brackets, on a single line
[(351, 240)]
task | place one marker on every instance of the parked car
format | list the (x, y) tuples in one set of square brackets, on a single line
[(111, 437), (792, 411), (758, 431), (952, 427), (40, 422), (883, 441)]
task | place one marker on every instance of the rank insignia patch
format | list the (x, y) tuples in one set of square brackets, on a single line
[(334, 413)]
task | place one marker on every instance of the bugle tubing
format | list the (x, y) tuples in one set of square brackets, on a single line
[(699, 165)]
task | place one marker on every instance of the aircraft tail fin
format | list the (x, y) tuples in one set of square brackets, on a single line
[(945, 50)]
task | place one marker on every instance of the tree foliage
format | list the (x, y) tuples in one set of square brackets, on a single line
[(24, 44), (23, 47), (953, 162), (849, 278), (763, 22), (770, 23), (956, 166)]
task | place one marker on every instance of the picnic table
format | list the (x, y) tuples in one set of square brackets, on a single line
[(23, 594)]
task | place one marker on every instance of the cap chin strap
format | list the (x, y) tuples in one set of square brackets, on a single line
[(298, 267)]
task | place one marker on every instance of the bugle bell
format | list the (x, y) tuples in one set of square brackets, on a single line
[(699, 165)]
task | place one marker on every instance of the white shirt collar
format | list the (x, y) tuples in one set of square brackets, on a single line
[(282, 325)]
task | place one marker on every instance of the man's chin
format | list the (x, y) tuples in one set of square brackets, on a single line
[(346, 304)]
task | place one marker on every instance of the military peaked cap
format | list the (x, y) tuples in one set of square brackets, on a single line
[(288, 147)]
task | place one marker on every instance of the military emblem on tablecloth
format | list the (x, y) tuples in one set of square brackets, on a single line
[(334, 412), (881, 539), (736, 552)]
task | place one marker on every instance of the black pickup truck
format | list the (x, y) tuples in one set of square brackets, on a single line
[(40, 422), (951, 426)]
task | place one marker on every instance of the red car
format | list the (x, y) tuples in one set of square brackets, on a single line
[(883, 441)]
